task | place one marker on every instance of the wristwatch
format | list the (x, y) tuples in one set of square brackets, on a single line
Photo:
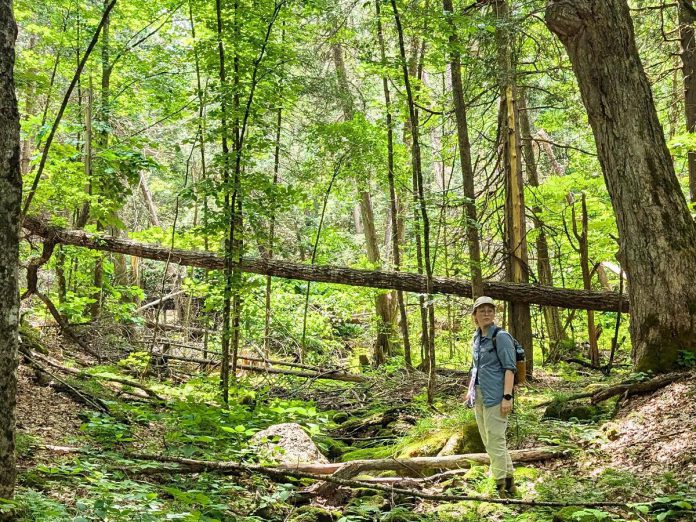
[(507, 397)]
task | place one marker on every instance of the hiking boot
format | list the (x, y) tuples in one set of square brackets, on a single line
[(501, 486), (510, 487)]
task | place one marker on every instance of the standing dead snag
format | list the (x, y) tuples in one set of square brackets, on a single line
[(657, 232)]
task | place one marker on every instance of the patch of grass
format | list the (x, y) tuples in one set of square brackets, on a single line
[(25, 444)]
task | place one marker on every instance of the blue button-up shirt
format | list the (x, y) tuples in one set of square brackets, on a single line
[(490, 374)]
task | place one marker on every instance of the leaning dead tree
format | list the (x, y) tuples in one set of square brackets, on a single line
[(549, 296)]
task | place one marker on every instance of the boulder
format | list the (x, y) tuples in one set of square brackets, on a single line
[(287, 444)]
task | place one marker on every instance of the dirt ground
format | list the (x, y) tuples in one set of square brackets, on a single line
[(656, 433), (44, 414)]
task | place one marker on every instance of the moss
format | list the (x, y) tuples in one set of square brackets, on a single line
[(428, 446), (400, 514), (663, 353), (332, 448), (340, 417), (357, 423), (433, 442), (378, 452), (31, 337), (458, 512), (366, 497)]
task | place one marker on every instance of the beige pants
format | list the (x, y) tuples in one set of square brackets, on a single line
[(492, 426)]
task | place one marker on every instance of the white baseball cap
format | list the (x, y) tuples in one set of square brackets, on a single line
[(484, 299)]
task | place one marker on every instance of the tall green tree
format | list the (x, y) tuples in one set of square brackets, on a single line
[(657, 234)]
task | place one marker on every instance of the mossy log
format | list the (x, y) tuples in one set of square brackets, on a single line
[(423, 464)]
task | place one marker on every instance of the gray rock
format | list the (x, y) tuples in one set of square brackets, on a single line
[(288, 444)]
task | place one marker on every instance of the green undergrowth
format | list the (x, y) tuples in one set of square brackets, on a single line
[(103, 484)]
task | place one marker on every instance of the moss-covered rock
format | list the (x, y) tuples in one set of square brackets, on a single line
[(568, 410), (367, 497), (340, 417), (471, 439), (314, 514)]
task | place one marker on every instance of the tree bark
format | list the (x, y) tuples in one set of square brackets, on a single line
[(551, 314), (515, 218), (428, 323), (583, 250), (149, 203), (227, 209), (688, 59), (10, 200), (657, 235), (271, 240), (408, 282), (469, 214), (395, 214)]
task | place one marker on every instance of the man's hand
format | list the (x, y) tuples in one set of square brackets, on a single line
[(505, 407)]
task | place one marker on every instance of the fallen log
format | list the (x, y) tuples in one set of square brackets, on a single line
[(638, 387), (281, 363), (180, 328), (421, 464), (517, 292), (627, 388), (185, 465), (60, 386), (72, 371), (159, 301), (334, 375)]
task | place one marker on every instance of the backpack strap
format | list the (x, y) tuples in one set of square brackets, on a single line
[(497, 330), (495, 333)]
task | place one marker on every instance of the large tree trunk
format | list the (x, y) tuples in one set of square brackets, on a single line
[(408, 282), (10, 199), (657, 233)]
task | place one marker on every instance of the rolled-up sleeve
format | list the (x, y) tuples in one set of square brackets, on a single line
[(506, 351)]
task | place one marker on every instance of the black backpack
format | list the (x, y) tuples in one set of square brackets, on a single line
[(520, 357)]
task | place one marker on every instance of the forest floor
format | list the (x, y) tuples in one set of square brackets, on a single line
[(639, 450)]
